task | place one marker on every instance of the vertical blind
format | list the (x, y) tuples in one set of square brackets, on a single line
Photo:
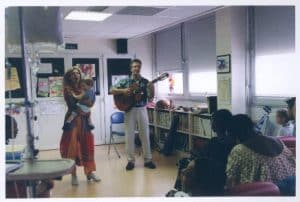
[(275, 58), (200, 38), (168, 49), (274, 29)]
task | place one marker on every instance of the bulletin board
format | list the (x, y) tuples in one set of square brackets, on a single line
[(117, 68), (18, 93), (90, 69), (50, 77)]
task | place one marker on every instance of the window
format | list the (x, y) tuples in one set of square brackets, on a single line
[(200, 41), (276, 75), (172, 85), (275, 58), (203, 82)]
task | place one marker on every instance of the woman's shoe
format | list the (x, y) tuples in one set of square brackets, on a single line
[(74, 180), (92, 176)]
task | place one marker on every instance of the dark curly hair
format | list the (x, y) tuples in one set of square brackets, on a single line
[(68, 83)]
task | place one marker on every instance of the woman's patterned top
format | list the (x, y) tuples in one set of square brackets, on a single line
[(245, 166)]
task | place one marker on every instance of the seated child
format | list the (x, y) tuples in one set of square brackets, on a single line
[(87, 93), (282, 119)]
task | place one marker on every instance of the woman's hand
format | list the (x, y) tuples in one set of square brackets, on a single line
[(86, 102)]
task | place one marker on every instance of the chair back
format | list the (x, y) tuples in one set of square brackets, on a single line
[(254, 189), (117, 118), (290, 142)]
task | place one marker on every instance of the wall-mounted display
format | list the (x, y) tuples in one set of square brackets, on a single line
[(223, 63), (56, 86), (117, 69), (90, 69), (51, 71)]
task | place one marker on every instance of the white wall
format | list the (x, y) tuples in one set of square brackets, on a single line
[(231, 39), (48, 127)]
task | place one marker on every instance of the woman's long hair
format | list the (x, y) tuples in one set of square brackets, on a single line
[(221, 121), (242, 127), (68, 83)]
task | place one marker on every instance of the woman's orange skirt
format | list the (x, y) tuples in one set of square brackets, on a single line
[(78, 143)]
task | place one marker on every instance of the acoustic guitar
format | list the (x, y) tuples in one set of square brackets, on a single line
[(126, 102)]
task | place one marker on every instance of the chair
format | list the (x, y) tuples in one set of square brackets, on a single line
[(254, 189), (290, 142), (115, 118)]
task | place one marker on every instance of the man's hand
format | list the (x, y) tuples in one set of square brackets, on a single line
[(150, 87), (127, 91), (117, 91)]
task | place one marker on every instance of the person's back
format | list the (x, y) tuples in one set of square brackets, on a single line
[(258, 157), (245, 166), (216, 150), (208, 178)]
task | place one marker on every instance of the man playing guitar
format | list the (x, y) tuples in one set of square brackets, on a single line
[(137, 114)]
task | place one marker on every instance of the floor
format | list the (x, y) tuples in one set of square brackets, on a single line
[(115, 180)]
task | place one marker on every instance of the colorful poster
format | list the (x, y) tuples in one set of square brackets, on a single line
[(116, 78), (56, 86), (88, 70), (43, 87), (11, 79)]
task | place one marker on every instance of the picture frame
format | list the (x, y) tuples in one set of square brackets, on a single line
[(117, 68), (89, 68), (223, 64)]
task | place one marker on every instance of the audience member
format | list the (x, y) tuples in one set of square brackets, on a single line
[(292, 112), (282, 119), (256, 157), (215, 152)]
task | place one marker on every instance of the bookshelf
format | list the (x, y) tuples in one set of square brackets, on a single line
[(191, 126)]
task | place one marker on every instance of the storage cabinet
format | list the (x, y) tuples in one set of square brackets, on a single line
[(191, 126)]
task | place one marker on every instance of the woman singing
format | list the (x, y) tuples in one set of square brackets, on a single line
[(77, 142)]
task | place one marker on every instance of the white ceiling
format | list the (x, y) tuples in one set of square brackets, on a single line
[(128, 26), (137, 21)]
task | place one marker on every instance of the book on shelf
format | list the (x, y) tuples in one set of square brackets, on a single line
[(163, 119), (183, 122), (151, 116)]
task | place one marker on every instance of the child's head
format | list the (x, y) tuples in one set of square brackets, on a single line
[(282, 117), (86, 83)]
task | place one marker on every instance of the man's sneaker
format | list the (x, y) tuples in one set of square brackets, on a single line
[(150, 165), (130, 166), (92, 176), (74, 180)]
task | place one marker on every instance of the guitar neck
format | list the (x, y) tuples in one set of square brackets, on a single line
[(160, 78), (155, 80)]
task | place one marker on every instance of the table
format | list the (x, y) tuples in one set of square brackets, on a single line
[(35, 170)]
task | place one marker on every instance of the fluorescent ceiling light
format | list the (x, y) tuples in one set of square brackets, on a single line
[(87, 16)]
